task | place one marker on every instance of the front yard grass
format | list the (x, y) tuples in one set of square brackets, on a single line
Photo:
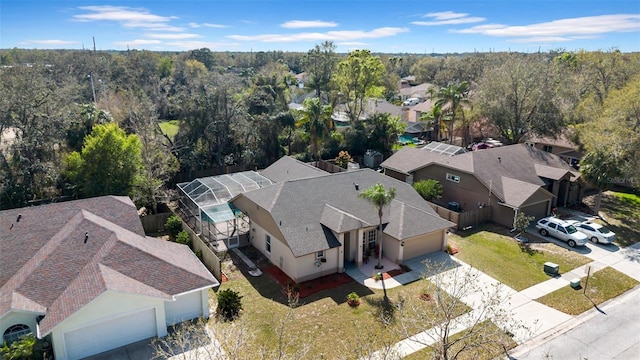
[(621, 214), (323, 322), (603, 285), (503, 258)]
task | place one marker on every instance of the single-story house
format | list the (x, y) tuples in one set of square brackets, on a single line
[(417, 91), (310, 226), (83, 275), (508, 179)]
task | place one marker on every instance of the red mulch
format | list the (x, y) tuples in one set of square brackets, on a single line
[(310, 287), (392, 273), (224, 278)]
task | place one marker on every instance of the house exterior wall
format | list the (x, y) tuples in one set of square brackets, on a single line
[(106, 306), (395, 174), (468, 192), (15, 318), (502, 214), (258, 215), (187, 306), (309, 267)]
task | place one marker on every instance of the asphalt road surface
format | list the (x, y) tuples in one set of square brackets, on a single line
[(612, 332)]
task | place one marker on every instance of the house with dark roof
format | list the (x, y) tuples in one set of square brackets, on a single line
[(508, 179), (560, 145), (83, 275), (311, 225)]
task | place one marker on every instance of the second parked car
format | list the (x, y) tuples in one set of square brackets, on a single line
[(562, 230), (596, 232)]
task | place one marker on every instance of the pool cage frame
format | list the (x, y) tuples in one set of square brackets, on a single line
[(205, 205)]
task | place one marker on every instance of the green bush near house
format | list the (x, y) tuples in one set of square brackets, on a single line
[(183, 238), (229, 304), (173, 226), (22, 349)]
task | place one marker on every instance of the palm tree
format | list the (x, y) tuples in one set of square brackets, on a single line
[(434, 118), (317, 119), (451, 98), (379, 197)]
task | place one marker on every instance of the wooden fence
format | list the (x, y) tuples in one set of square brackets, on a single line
[(464, 219), (155, 224)]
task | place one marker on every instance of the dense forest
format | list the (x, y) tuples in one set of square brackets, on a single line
[(86, 123)]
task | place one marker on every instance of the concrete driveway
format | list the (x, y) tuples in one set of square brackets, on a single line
[(135, 351)]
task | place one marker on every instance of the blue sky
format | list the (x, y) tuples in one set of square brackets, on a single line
[(417, 26)]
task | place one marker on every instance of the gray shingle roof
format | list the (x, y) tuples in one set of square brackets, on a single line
[(519, 162), (288, 168), (301, 208), (47, 267), (409, 159)]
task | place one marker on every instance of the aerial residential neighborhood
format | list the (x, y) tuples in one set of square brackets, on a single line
[(241, 180)]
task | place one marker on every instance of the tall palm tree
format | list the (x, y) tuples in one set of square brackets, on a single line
[(451, 98), (379, 197), (317, 120)]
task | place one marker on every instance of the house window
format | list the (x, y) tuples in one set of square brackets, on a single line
[(369, 239), (454, 178), (15, 332), (547, 148), (320, 254), (268, 243)]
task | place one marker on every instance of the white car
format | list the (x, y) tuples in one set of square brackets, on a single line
[(562, 230), (595, 232)]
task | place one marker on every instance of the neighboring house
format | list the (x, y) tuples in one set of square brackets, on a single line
[(508, 179), (561, 146), (313, 226), (417, 91), (83, 275)]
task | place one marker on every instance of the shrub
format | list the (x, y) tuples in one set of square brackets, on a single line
[(173, 225), (377, 276), (229, 304), (19, 350), (183, 238), (343, 159), (353, 299), (429, 189)]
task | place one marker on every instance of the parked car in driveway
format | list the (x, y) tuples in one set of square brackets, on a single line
[(595, 232), (562, 230)]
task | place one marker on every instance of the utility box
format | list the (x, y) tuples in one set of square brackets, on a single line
[(454, 206), (551, 268), (575, 283), (372, 159)]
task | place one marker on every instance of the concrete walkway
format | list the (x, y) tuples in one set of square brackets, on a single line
[(538, 318)]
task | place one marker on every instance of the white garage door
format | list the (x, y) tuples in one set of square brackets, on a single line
[(186, 307), (110, 334)]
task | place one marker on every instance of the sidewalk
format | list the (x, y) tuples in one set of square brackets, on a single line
[(539, 318)]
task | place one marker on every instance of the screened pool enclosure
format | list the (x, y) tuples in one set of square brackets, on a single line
[(204, 202)]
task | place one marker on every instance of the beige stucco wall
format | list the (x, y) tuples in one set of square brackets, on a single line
[(15, 318), (108, 305), (257, 215), (424, 244)]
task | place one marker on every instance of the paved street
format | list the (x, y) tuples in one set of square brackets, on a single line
[(613, 333)]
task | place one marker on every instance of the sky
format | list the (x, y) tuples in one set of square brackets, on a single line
[(390, 26)]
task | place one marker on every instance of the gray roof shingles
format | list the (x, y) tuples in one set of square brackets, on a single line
[(298, 207), (288, 168), (47, 267)]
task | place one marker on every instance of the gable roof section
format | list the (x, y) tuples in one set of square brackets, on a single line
[(516, 162), (517, 192), (288, 168), (408, 159), (303, 209), (408, 221), (57, 273)]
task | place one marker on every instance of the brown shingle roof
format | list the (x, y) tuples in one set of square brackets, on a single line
[(410, 159), (46, 266)]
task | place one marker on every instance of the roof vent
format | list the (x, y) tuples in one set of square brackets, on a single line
[(357, 186), (86, 237), (19, 217), (499, 160)]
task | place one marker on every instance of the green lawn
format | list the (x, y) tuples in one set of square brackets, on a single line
[(603, 285), (503, 258), (621, 214), (324, 322), (170, 128)]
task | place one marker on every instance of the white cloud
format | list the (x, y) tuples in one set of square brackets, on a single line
[(172, 36), (300, 24), (351, 43), (573, 28), (127, 16), (448, 18), (329, 35), (137, 42), (209, 25), (50, 42)]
